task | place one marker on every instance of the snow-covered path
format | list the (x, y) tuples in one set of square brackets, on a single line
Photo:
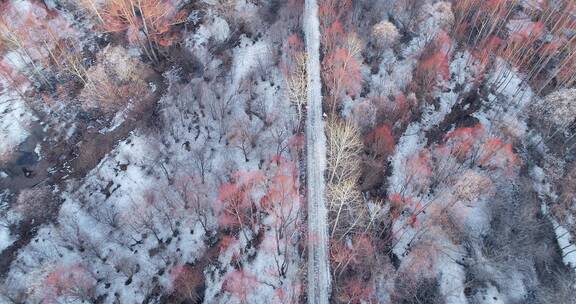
[(318, 267)]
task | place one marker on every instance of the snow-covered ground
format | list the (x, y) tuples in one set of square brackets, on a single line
[(512, 100), (563, 236), (125, 226), (15, 121), (159, 202), (566, 243), (5, 238)]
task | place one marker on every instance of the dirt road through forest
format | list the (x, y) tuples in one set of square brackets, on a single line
[(318, 266)]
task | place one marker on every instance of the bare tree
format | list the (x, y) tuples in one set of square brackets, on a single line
[(282, 203), (347, 209), (202, 154), (141, 220), (344, 148), (221, 109), (280, 134), (385, 34), (194, 196), (245, 136), (297, 85), (105, 213)]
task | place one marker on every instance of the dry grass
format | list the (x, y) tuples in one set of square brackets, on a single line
[(114, 82)]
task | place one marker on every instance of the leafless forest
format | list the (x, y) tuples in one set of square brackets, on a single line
[(288, 151)]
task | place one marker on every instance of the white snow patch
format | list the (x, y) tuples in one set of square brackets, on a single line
[(563, 236), (38, 150), (566, 243), (15, 120), (220, 29), (489, 295), (452, 277), (248, 56), (216, 28), (5, 238)]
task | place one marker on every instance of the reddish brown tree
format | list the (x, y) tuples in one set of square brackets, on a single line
[(15, 79), (296, 145), (186, 282), (288, 294), (485, 55), (295, 7), (238, 209), (461, 142), (381, 141), (418, 172), (434, 64), (282, 203), (36, 36), (340, 255), (356, 291), (357, 256), (330, 11), (473, 145), (293, 49), (497, 154), (400, 203), (148, 23), (333, 36), (74, 283), (226, 242), (341, 72), (394, 111), (240, 284)]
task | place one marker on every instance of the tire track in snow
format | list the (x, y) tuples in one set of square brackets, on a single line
[(318, 266)]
